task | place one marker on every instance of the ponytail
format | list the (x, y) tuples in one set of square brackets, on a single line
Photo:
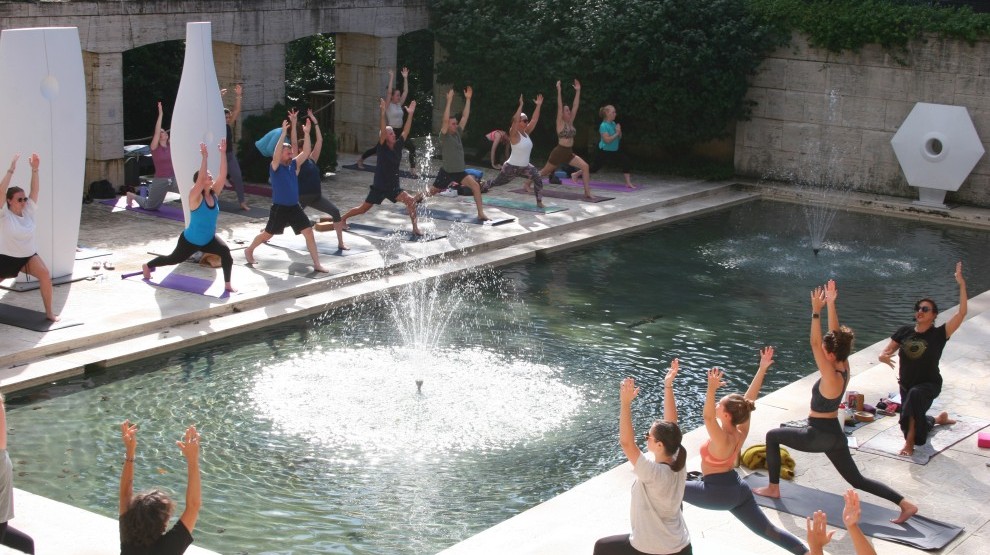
[(669, 434), (679, 459)]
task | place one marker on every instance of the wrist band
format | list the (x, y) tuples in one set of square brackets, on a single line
[(815, 315), (126, 460)]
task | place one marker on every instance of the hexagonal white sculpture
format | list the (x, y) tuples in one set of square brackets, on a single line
[(937, 146)]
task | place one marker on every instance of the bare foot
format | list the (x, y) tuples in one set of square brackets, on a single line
[(249, 255), (907, 450), (483, 217), (943, 419), (417, 232), (588, 195), (343, 247), (527, 189), (630, 186), (769, 490), (52, 316), (245, 207), (360, 163), (575, 176), (539, 204), (908, 510), (130, 200), (146, 270), (230, 288), (321, 269)]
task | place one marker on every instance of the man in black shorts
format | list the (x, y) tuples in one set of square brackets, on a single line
[(284, 175), (386, 183), (452, 170)]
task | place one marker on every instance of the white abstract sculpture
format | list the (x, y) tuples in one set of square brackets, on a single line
[(43, 110), (198, 113), (937, 146)]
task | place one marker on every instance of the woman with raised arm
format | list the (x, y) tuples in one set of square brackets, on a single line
[(518, 164), (819, 537), (499, 137), (18, 251), (608, 147), (394, 114), (233, 166), (563, 153), (201, 235), (161, 155), (727, 423), (311, 182), (144, 517), (9, 536), (824, 433), (655, 513)]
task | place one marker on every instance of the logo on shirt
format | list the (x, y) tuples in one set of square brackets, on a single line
[(915, 348)]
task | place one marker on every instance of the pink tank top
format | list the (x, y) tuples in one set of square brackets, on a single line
[(718, 465)]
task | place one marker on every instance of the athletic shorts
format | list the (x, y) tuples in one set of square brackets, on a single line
[(376, 196), (444, 180), (560, 155), (10, 266), (283, 215)]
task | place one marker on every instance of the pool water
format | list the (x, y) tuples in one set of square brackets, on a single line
[(315, 439)]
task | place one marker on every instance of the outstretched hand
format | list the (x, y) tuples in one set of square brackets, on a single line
[(831, 292), (715, 380), (468, 92), (285, 125), (405, 72), (818, 536), (128, 433), (450, 94), (577, 85), (13, 161), (203, 151), (222, 147), (539, 99), (159, 107), (189, 444), (293, 115), (766, 357), (817, 299), (310, 115), (958, 275), (411, 108), (668, 380), (851, 512), (381, 104), (34, 161), (558, 85), (628, 391)]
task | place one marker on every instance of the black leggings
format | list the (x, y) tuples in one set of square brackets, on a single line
[(610, 158), (16, 539), (408, 145), (916, 402), (619, 545), (184, 249), (824, 435), (726, 492), (321, 203)]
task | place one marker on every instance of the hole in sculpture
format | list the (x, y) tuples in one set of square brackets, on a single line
[(933, 147)]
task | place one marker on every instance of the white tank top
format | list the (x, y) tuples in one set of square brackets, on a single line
[(521, 151), (393, 115)]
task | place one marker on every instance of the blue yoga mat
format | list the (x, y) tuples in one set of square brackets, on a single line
[(520, 205)]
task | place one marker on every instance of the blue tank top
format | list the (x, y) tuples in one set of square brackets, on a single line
[(285, 184), (203, 222), (820, 404), (309, 178)]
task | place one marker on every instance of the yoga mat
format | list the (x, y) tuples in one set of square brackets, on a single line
[(235, 208), (520, 205), (85, 253), (383, 232), (371, 168), (890, 441), (918, 531), (164, 211), (33, 320), (848, 428), (455, 216), (615, 187), (78, 274), (252, 189), (564, 195), (298, 244), (182, 282)]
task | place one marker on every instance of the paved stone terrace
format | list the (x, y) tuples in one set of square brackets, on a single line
[(127, 320)]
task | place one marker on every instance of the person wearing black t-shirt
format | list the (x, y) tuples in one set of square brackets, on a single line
[(919, 348)]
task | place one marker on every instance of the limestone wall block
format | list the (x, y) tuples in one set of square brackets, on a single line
[(771, 74), (803, 75), (875, 147), (762, 134), (895, 113), (863, 112)]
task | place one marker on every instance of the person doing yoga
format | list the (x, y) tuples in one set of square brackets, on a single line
[(824, 432), (201, 234), (721, 489), (394, 114), (655, 513), (161, 156), (518, 163), (563, 153), (608, 147)]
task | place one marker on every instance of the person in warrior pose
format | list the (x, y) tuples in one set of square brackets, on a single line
[(563, 153), (394, 113), (522, 146), (161, 155)]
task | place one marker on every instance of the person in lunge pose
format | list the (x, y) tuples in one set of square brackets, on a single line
[(824, 433), (656, 516), (394, 113), (201, 235), (563, 153), (311, 183), (161, 155), (452, 168), (727, 423), (920, 349), (233, 166), (522, 146), (144, 517), (386, 183)]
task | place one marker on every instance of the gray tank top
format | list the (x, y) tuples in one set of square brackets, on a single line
[(820, 404)]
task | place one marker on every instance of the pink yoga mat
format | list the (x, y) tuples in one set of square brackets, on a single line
[(164, 211)]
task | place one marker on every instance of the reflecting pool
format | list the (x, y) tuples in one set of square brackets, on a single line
[(316, 440)]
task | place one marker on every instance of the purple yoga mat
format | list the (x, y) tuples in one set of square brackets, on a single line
[(617, 187), (164, 211), (182, 282), (565, 195)]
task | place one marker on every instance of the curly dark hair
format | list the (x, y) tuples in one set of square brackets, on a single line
[(839, 342), (146, 518)]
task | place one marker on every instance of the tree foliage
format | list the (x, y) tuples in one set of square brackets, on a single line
[(676, 70), (150, 76), (309, 66)]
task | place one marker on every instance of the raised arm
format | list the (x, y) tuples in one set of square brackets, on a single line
[(513, 133), (307, 148), (3, 422), (536, 115), (468, 93), (850, 517), (293, 131), (277, 154), (815, 339), (381, 121), (720, 440), (953, 324), (410, 110), (446, 111), (831, 294), (202, 178), (5, 182), (194, 493), (405, 86), (669, 401), (317, 136), (35, 163), (560, 109), (158, 128), (221, 178), (128, 433), (391, 85), (235, 112), (498, 139), (627, 437), (577, 100), (766, 359)]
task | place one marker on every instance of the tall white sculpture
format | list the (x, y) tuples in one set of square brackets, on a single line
[(198, 113), (43, 110), (937, 146)]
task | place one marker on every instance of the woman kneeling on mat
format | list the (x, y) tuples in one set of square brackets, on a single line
[(727, 422), (824, 433), (18, 252), (201, 233), (655, 514)]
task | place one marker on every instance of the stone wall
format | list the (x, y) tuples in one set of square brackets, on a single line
[(820, 112)]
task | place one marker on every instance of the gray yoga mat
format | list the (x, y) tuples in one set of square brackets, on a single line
[(918, 531), (384, 232), (569, 195), (456, 216), (298, 244), (520, 205), (890, 441), (33, 320), (235, 208)]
